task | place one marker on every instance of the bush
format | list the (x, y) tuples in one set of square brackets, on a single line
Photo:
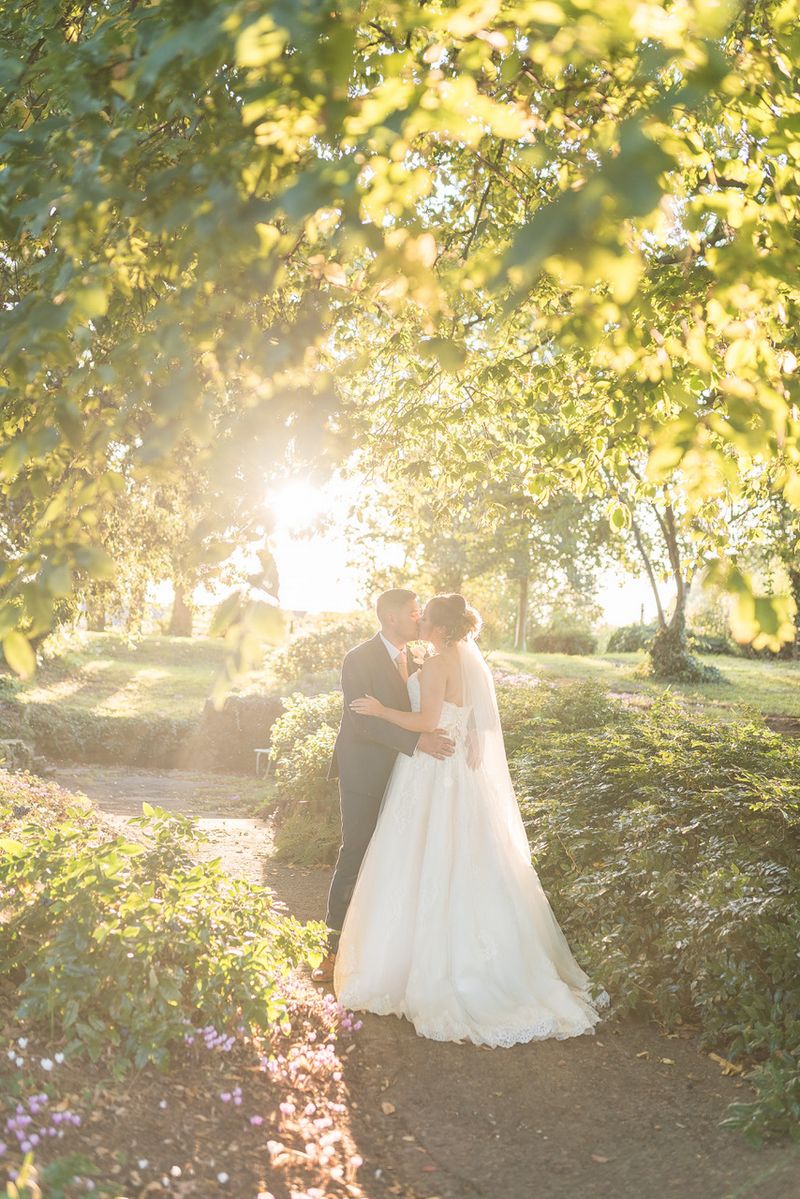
[(309, 828), (532, 712), (552, 642), (564, 639), (218, 740), (301, 747), (78, 735), (630, 638), (26, 795), (712, 643), (669, 845), (307, 840), (121, 946), (323, 646)]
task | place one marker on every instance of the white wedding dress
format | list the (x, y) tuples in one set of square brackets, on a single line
[(448, 924)]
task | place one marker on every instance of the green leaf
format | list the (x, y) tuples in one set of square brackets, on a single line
[(58, 579), (620, 517), (14, 458), (38, 608), (18, 653), (451, 355), (9, 616), (97, 561), (91, 301), (225, 614), (267, 621)]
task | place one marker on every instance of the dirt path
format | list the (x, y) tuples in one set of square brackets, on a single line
[(630, 1112)]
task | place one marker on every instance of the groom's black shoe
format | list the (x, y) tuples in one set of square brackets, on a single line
[(324, 971)]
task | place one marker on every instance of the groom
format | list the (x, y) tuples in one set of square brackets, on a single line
[(366, 747)]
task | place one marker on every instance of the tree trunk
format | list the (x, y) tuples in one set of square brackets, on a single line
[(180, 621), (669, 652), (521, 631), (96, 615)]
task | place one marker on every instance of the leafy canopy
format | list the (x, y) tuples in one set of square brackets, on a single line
[(581, 223)]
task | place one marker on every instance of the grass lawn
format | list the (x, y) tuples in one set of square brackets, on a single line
[(104, 674), (770, 687)]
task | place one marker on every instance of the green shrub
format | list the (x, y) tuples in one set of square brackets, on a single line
[(528, 712), (26, 796), (119, 946), (630, 638), (79, 735), (669, 846), (301, 747), (306, 839), (559, 640), (712, 643), (215, 740), (323, 646)]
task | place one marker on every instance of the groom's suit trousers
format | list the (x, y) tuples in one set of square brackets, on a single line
[(359, 817)]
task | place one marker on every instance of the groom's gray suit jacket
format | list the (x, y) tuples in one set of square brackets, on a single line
[(366, 747)]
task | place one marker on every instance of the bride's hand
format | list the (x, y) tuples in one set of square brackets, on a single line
[(367, 706)]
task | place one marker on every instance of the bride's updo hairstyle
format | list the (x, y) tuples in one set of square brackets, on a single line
[(453, 614)]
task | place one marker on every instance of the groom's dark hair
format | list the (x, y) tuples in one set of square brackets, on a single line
[(393, 601)]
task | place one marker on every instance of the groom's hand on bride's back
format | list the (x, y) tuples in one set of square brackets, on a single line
[(437, 744)]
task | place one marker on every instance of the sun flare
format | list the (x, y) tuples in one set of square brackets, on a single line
[(297, 505)]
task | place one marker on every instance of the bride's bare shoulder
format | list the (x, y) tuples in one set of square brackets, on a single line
[(433, 665)]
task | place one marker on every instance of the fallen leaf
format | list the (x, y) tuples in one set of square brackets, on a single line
[(598, 1157), (727, 1067)]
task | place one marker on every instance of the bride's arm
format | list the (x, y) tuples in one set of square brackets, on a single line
[(433, 678)]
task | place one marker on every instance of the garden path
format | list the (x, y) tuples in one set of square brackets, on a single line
[(631, 1112)]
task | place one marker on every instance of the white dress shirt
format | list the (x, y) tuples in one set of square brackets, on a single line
[(392, 650)]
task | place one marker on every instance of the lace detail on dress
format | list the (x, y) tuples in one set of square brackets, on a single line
[(445, 1028)]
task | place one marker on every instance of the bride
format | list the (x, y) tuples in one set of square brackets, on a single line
[(448, 924)]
